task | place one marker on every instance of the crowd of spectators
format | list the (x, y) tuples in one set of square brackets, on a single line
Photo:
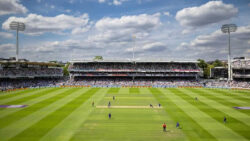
[(119, 82), (241, 73), (6, 84), (104, 66), (134, 66), (155, 74), (164, 67), (225, 84), (45, 77), (30, 72), (241, 64)]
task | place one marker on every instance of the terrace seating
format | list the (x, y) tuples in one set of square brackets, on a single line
[(118, 82), (30, 72), (153, 67)]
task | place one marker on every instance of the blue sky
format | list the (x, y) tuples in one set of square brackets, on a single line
[(157, 29)]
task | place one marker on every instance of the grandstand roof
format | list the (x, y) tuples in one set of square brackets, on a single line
[(241, 60), (129, 61), (30, 63), (219, 68)]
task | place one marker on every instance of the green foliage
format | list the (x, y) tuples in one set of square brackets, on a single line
[(53, 61), (217, 63), (204, 66), (98, 58), (208, 70), (65, 70)]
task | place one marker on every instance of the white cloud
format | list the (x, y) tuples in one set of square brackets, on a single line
[(117, 2), (156, 46), (107, 37), (58, 46), (122, 29), (7, 50), (7, 47), (148, 47), (112, 38), (6, 35), (37, 24), (52, 6), (101, 1), (71, 1), (186, 31), (215, 44), (136, 21), (11, 7), (80, 30), (39, 1), (248, 51), (182, 46), (112, 2), (211, 12), (60, 50), (167, 13), (68, 10)]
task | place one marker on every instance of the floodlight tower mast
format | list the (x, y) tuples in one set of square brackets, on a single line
[(134, 37), (18, 26), (228, 28)]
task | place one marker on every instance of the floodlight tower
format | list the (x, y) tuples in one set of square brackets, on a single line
[(18, 26), (134, 37), (228, 28)]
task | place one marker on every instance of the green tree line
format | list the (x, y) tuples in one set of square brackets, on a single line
[(206, 66)]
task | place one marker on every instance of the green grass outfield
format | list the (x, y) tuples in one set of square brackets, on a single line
[(62, 114)]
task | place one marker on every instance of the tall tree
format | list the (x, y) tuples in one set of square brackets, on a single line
[(98, 58), (217, 63), (204, 66), (65, 70)]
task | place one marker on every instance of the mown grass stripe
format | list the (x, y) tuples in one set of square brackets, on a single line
[(190, 127), (26, 122), (227, 93), (31, 109), (128, 124), (18, 96), (14, 93), (79, 116), (234, 124), (204, 120), (5, 113), (243, 94), (34, 92), (124, 91), (43, 126), (30, 97), (134, 91), (113, 90), (212, 95), (222, 96), (144, 91), (228, 98)]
